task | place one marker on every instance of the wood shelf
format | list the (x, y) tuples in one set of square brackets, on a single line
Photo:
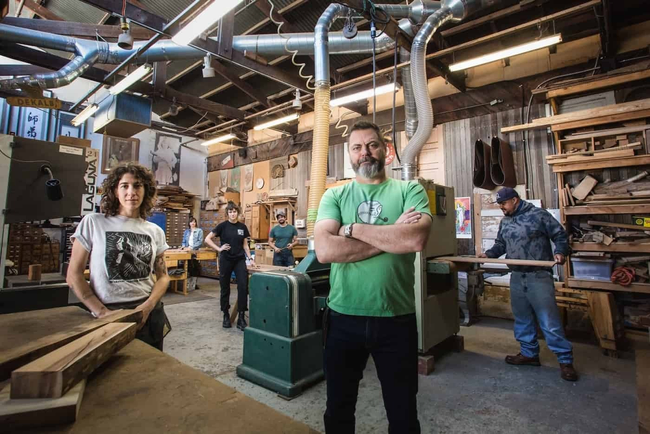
[(637, 160), (607, 209), (614, 247), (608, 286)]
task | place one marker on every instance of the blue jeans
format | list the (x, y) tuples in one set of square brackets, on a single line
[(532, 294), (393, 344), (284, 258)]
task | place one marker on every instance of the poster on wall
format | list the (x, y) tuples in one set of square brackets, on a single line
[(166, 159), (223, 175), (117, 150), (248, 177), (463, 217), (235, 178), (33, 123)]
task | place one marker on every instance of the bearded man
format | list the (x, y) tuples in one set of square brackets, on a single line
[(369, 230)]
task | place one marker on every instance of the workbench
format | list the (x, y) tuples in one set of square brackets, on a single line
[(142, 390), (172, 256)]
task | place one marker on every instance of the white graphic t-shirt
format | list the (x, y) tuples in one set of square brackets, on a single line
[(122, 255)]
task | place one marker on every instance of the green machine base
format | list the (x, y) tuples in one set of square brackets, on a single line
[(283, 343)]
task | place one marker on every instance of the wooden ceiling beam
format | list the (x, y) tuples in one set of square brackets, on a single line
[(137, 14), (242, 85), (77, 30), (42, 11), (22, 70), (205, 105)]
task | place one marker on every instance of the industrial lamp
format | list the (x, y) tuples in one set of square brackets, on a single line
[(125, 40), (52, 185)]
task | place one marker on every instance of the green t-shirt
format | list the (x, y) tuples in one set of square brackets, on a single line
[(283, 235), (381, 285)]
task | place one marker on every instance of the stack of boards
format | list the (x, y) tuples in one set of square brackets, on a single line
[(43, 375)]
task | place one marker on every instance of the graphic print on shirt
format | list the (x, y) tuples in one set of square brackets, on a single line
[(369, 212), (240, 232), (128, 256)]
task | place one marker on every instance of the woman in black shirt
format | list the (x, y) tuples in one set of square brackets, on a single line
[(234, 251)]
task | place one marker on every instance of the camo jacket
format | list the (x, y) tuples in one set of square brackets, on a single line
[(527, 234)]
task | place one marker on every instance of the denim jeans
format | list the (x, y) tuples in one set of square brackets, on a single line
[(393, 344), (284, 258), (532, 294)]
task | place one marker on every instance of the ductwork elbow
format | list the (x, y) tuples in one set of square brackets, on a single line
[(321, 41)]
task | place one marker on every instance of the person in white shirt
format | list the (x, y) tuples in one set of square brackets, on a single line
[(193, 240), (125, 251)]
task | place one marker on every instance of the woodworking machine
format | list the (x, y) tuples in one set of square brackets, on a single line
[(283, 343)]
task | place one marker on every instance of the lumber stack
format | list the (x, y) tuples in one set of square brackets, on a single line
[(48, 375), (174, 198), (591, 192)]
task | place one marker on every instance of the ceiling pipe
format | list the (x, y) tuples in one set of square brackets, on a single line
[(451, 10)]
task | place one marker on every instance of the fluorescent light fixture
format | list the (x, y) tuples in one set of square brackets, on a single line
[(218, 140), (204, 20), (130, 79), (365, 94), (275, 122), (508, 52), (85, 114)]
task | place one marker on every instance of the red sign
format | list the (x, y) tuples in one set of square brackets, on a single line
[(390, 153)]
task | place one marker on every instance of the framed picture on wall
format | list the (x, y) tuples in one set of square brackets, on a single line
[(166, 159), (64, 126), (33, 123), (117, 150)]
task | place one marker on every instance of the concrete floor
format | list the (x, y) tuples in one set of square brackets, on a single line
[(469, 392)]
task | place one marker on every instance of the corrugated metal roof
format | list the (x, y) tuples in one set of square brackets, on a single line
[(74, 10)]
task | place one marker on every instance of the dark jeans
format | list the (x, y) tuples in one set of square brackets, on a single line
[(152, 332), (194, 268), (284, 258), (226, 267), (393, 344)]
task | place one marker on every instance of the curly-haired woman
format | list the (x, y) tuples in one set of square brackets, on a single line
[(124, 251)]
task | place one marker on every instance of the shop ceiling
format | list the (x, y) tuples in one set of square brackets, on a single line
[(240, 92)]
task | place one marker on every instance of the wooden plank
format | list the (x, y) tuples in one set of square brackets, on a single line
[(610, 154), (616, 225), (622, 201), (17, 355), (486, 19), (576, 300), (599, 151), (594, 85), (602, 120), (54, 374), (605, 133), (607, 209), (642, 357), (614, 247), (603, 316), (643, 288), (585, 187), (567, 189), (591, 115), (637, 160), (31, 413), (475, 260)]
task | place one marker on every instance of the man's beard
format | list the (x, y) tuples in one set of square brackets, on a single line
[(369, 171)]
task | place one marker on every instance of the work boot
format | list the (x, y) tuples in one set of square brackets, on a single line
[(520, 359), (226, 320), (241, 321), (567, 372)]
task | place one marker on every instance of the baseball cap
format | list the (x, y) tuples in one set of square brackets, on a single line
[(505, 194), (280, 213)]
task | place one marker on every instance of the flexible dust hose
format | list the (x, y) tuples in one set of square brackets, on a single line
[(319, 153), (410, 111), (321, 137), (421, 90)]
